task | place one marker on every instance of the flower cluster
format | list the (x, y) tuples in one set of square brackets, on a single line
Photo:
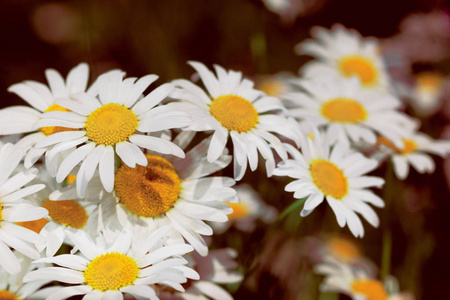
[(118, 185)]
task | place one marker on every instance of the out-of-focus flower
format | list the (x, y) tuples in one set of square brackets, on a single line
[(57, 23), (423, 38), (245, 213), (12, 287), (349, 113), (168, 190), (13, 208), (274, 85), (355, 282), (413, 152), (344, 53), (22, 119), (289, 10), (234, 108), (107, 270), (115, 123), (214, 269), (336, 174)]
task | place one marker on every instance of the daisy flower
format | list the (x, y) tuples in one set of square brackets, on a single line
[(347, 112), (427, 93), (247, 211), (168, 190), (337, 174), (22, 119), (344, 53), (63, 216), (214, 269), (12, 286), (14, 209), (108, 270), (113, 124), (232, 108), (414, 153), (355, 282)]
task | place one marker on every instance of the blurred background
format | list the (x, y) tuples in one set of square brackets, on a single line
[(257, 37)]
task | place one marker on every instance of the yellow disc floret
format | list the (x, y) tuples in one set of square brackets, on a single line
[(239, 210), (234, 113), (344, 110), (372, 289), (67, 212), (357, 65), (111, 124), (148, 191), (329, 178), (35, 225), (6, 295), (408, 145), (343, 249), (55, 129), (111, 271)]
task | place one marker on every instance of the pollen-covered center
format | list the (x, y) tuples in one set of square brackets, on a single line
[(329, 178), (35, 225), (111, 271), (356, 65), (239, 210), (6, 295), (55, 129), (234, 113), (148, 191), (344, 110), (111, 124), (372, 289), (67, 212)]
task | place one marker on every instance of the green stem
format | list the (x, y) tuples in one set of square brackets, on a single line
[(386, 257), (292, 207), (388, 192)]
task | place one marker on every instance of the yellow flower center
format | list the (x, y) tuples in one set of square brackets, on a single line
[(328, 178), (148, 191), (343, 249), (35, 225), (372, 289), (1, 212), (429, 81), (111, 124), (55, 129), (234, 113), (356, 65), (271, 87), (111, 271), (5, 295), (239, 210), (344, 110), (67, 212), (408, 145)]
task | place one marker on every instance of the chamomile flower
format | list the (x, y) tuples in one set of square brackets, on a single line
[(14, 209), (347, 112), (214, 270), (168, 190), (109, 270), (63, 216), (354, 282), (232, 108), (344, 53), (250, 208), (22, 119), (426, 95), (113, 124), (12, 286), (336, 174), (414, 153)]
